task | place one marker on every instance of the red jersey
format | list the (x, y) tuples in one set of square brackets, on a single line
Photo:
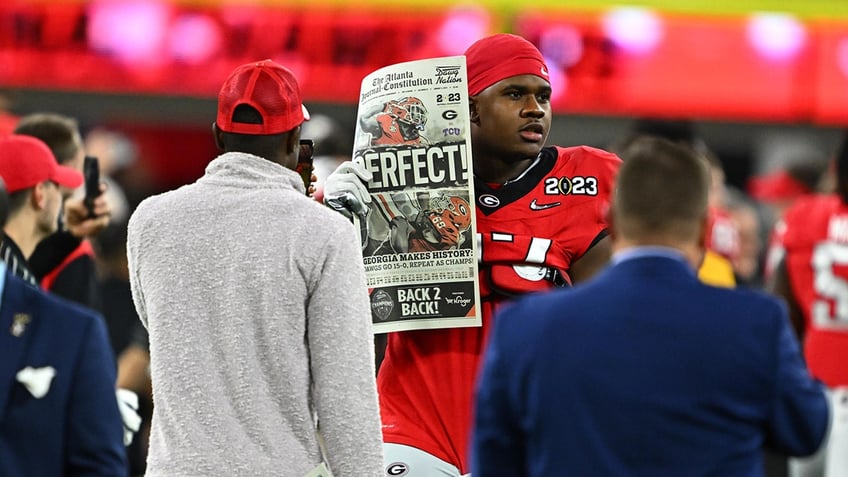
[(774, 250), (815, 240), (530, 231)]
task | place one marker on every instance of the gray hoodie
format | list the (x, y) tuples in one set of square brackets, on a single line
[(255, 300)]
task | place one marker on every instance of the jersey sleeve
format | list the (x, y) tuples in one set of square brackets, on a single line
[(592, 212)]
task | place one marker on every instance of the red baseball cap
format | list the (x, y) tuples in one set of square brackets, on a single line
[(268, 87), (776, 186), (497, 57), (26, 161)]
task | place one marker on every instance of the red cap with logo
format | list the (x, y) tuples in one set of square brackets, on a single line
[(26, 161), (497, 57), (268, 87)]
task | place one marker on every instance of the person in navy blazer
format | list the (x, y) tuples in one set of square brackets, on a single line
[(645, 371), (58, 411)]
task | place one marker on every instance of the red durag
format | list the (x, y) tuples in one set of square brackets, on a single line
[(500, 56)]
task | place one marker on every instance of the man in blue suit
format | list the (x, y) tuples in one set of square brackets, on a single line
[(58, 411), (645, 371)]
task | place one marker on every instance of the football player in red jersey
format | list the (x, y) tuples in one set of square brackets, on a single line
[(811, 251), (541, 222)]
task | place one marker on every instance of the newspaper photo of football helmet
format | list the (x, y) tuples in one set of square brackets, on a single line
[(409, 110), (451, 217)]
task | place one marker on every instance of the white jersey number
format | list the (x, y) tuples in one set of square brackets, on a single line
[(829, 286)]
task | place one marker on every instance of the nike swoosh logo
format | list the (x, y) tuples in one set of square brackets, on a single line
[(535, 206)]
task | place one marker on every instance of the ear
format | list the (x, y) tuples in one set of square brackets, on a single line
[(218, 135), (38, 197), (702, 241), (704, 227), (473, 112), (289, 149), (293, 141)]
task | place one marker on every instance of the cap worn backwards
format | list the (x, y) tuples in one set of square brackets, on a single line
[(26, 161), (268, 87), (497, 57)]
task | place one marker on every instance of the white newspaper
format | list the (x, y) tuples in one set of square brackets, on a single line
[(418, 238)]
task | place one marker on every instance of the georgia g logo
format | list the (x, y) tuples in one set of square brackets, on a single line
[(488, 200), (396, 469)]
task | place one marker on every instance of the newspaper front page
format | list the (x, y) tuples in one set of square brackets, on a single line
[(418, 238)]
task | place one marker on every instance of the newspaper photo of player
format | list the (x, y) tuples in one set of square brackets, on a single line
[(406, 222), (397, 121)]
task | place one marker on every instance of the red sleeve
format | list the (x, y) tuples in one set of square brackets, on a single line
[(591, 214)]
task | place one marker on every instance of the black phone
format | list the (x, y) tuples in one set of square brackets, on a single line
[(304, 162), (91, 172)]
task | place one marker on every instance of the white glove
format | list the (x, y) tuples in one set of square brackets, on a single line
[(128, 405), (345, 189)]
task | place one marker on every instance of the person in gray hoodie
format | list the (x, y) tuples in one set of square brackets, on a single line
[(255, 301)]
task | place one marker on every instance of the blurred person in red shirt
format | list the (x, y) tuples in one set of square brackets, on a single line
[(811, 274)]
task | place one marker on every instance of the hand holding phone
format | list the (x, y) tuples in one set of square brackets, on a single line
[(91, 172)]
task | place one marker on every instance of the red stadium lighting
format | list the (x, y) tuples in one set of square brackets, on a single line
[(637, 30), (462, 27), (133, 32), (776, 36), (842, 56), (562, 45), (194, 38)]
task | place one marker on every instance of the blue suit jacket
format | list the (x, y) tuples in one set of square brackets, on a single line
[(643, 371), (75, 429)]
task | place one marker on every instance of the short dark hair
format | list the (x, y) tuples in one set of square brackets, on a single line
[(265, 146), (661, 189), (678, 131), (60, 133), (18, 199)]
